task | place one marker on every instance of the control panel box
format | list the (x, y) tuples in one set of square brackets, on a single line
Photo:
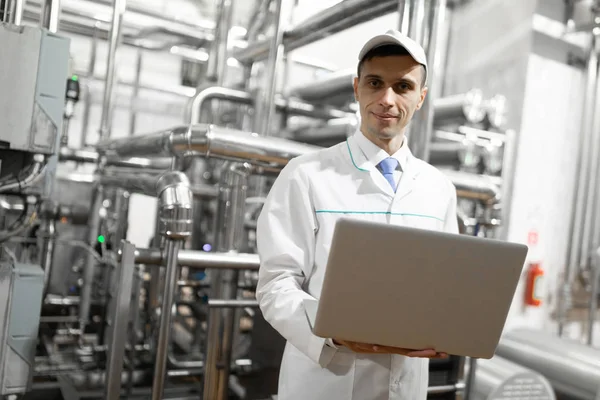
[(33, 78), (21, 292)]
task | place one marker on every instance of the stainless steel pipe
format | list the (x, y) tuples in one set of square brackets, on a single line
[(583, 160), (235, 303), (219, 339), (217, 58), (200, 259), (594, 293), (173, 247), (92, 157), (476, 187), (265, 107), (13, 12), (462, 107), (572, 368), (119, 311), (114, 40), (50, 15), (210, 141), (334, 84), (89, 268), (291, 106), (49, 240), (335, 19), (423, 18), (175, 224)]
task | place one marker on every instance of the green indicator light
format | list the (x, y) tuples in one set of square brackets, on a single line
[(75, 78), (101, 239)]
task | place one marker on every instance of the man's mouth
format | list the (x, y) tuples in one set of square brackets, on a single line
[(385, 117)]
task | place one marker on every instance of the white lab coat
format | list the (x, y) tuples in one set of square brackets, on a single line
[(294, 234)]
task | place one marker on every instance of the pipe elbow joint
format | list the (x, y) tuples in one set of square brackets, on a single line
[(175, 199)]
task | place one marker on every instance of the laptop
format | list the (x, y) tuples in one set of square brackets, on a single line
[(417, 289)]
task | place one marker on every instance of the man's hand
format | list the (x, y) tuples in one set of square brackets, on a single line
[(377, 349)]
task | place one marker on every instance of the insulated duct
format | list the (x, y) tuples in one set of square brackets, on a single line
[(500, 379), (572, 368)]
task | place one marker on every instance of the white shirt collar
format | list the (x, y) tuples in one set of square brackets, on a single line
[(375, 154)]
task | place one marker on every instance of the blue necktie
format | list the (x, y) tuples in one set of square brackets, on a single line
[(388, 166)]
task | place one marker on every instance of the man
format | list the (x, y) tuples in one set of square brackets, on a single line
[(371, 176)]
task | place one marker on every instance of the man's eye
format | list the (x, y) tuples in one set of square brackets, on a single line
[(373, 83)]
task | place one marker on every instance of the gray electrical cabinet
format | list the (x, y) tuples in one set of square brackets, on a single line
[(21, 289), (33, 79)]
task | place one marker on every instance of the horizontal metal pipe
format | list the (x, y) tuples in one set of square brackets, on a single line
[(475, 187), (209, 141), (334, 84), (335, 129), (92, 157), (341, 16), (200, 259), (463, 107), (290, 106), (236, 303), (445, 153), (572, 368), (460, 386), (62, 301)]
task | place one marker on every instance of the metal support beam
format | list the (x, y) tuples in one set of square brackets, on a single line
[(120, 322)]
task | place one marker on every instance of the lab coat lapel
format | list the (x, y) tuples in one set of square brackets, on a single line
[(370, 172), (409, 178)]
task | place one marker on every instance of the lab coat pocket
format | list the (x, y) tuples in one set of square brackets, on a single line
[(307, 380)]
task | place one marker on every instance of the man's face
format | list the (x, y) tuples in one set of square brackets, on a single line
[(388, 92)]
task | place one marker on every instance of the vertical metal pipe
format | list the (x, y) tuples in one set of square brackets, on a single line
[(160, 366), (422, 20), (593, 305), (113, 42), (13, 12), (470, 381), (583, 166), (230, 216), (48, 251), (90, 264), (50, 15), (120, 318), (136, 90), (265, 106), (587, 250), (175, 224), (88, 100), (217, 57), (18, 15)]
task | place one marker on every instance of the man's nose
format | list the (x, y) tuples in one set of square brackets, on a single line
[(387, 97)]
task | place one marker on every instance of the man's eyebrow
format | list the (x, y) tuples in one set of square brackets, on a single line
[(407, 79), (404, 79)]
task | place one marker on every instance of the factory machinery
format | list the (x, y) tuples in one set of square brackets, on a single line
[(85, 314)]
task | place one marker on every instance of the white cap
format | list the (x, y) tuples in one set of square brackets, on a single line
[(397, 38)]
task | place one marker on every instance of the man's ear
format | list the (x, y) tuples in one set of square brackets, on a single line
[(423, 95), (355, 84)]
